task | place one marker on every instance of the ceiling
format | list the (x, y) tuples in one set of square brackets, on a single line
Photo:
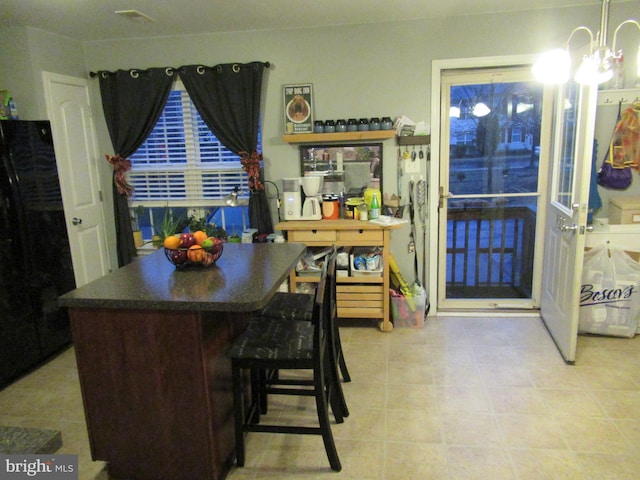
[(89, 20)]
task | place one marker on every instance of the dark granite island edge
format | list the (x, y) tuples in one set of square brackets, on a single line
[(243, 279)]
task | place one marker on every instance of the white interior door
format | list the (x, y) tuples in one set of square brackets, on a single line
[(74, 140), (571, 153)]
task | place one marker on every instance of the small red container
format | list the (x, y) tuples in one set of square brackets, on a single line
[(330, 207)]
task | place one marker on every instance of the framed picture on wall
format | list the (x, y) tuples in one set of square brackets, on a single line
[(298, 108)]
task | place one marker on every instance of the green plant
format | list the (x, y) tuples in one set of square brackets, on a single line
[(169, 225), (138, 212), (211, 229)]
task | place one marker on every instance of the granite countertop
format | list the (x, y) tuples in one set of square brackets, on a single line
[(18, 440), (243, 279)]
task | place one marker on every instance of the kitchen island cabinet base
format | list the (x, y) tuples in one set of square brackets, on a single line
[(157, 392)]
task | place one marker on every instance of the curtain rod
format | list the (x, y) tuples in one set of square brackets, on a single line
[(167, 69)]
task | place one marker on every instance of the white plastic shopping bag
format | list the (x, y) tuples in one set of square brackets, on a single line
[(610, 292)]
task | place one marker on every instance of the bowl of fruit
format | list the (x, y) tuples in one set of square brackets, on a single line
[(195, 248)]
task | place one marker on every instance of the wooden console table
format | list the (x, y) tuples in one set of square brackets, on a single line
[(357, 297)]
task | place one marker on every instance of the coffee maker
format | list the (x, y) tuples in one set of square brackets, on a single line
[(291, 198), (312, 186)]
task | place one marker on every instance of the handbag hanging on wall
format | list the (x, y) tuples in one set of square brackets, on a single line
[(614, 172)]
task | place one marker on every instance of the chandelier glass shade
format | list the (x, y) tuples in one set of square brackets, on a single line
[(597, 65)]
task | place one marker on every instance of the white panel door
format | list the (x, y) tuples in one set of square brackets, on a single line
[(74, 139), (572, 149)]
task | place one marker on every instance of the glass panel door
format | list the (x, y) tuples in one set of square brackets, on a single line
[(490, 184)]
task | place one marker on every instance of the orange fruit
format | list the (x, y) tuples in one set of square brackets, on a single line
[(195, 253), (199, 236), (172, 242)]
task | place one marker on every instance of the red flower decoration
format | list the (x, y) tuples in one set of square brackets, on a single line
[(251, 164), (120, 166)]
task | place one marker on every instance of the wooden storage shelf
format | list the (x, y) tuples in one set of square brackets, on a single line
[(339, 137), (358, 297)]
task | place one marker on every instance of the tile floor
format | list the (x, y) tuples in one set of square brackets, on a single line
[(462, 398)]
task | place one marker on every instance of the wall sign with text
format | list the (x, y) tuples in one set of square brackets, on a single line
[(298, 108)]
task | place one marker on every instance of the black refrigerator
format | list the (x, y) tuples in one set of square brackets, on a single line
[(35, 257)]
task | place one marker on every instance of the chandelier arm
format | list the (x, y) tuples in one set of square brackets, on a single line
[(615, 33), (577, 29)]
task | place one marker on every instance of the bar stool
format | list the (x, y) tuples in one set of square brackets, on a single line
[(286, 307), (276, 345)]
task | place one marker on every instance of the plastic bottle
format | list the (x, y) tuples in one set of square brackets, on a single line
[(13, 110), (374, 210), (341, 204)]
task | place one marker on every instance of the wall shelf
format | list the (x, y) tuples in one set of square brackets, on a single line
[(339, 137)]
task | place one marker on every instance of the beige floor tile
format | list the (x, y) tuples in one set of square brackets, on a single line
[(415, 461), (367, 372), (361, 460), (610, 467), (516, 400), (417, 426), (471, 463), (408, 353), (505, 375), (630, 430), (608, 378), (570, 402), (448, 355), (402, 373), (359, 352), (464, 374), (560, 376), (367, 395), (496, 354), (469, 399), (593, 435), (620, 403), (537, 464), (531, 431), (471, 430), (362, 424), (412, 397)]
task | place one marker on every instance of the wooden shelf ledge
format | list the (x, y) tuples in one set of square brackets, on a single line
[(339, 137)]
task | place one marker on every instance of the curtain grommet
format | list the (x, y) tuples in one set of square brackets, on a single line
[(169, 71), (235, 68), (134, 73), (200, 69)]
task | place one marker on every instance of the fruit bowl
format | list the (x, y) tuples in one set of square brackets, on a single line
[(192, 249)]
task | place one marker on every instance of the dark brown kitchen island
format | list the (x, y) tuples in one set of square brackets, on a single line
[(150, 345)]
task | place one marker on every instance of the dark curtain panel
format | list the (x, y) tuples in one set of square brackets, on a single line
[(132, 101), (228, 99)]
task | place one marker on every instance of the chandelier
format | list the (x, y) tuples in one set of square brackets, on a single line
[(597, 66)]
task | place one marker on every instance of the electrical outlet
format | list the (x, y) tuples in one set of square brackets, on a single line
[(411, 166)]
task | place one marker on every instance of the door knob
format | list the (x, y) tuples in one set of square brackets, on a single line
[(76, 221), (568, 228)]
